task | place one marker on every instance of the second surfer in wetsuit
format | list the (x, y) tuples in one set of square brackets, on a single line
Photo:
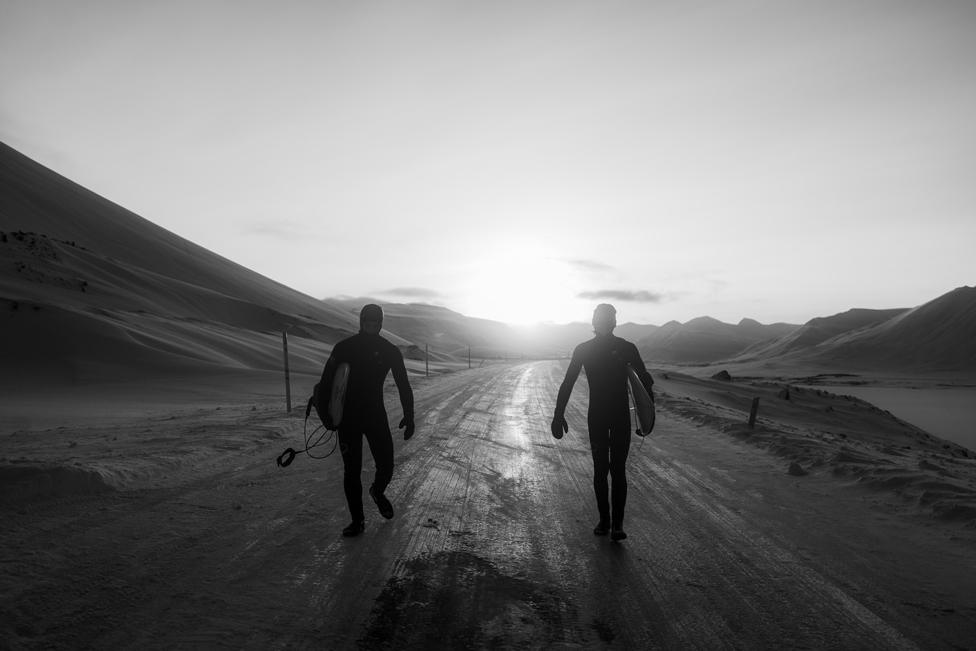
[(370, 358), (605, 359)]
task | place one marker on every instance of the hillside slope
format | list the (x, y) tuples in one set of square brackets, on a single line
[(821, 329), (89, 291), (938, 335)]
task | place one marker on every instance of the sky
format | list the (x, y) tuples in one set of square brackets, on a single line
[(524, 161)]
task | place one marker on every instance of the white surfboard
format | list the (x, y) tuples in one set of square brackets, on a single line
[(643, 404), (338, 398)]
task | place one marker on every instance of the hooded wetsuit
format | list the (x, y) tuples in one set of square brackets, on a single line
[(370, 358), (605, 359)]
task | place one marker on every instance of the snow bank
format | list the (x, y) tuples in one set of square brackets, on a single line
[(20, 483)]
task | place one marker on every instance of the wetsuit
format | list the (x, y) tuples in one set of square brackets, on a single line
[(605, 359), (370, 358)]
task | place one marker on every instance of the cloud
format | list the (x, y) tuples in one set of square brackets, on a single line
[(639, 296), (283, 230), (717, 286), (412, 292), (592, 266)]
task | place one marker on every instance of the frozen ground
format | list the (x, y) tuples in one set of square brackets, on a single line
[(829, 525)]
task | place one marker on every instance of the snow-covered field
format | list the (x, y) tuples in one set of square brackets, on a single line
[(830, 524)]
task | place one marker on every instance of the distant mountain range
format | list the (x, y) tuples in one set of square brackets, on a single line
[(939, 335), (87, 287), (706, 339)]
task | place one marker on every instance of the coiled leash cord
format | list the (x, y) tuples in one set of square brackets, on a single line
[(318, 436)]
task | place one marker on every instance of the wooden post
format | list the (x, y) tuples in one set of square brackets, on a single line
[(284, 345), (754, 411), (426, 360)]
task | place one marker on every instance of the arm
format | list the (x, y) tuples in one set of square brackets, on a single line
[(638, 365), (406, 394), (559, 426), (403, 385), (566, 388)]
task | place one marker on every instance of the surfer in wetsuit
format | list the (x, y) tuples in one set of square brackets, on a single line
[(370, 358), (605, 359)]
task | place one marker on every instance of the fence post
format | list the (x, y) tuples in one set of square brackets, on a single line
[(284, 346), (754, 411), (426, 360)]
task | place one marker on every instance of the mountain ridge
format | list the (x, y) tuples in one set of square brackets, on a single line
[(129, 293)]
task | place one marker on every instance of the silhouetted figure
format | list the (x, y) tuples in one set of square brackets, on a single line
[(605, 359), (370, 358)]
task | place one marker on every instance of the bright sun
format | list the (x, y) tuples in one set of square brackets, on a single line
[(522, 287)]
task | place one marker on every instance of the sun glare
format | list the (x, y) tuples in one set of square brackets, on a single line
[(521, 287)]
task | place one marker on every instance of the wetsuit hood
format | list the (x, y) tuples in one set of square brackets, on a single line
[(604, 319), (371, 319)]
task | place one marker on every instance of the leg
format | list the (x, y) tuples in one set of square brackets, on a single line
[(351, 445), (619, 449), (381, 446), (600, 449)]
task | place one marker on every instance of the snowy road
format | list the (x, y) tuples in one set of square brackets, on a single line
[(492, 547)]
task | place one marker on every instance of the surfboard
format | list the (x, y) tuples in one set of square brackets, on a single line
[(643, 404), (338, 398)]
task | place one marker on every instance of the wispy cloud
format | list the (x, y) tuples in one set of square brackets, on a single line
[(282, 230), (592, 266), (638, 296), (412, 292), (717, 286)]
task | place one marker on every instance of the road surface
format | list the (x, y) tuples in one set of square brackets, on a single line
[(491, 547)]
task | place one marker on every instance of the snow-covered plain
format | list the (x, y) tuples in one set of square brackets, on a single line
[(830, 524)]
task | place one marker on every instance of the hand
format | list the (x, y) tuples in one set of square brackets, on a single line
[(559, 426), (406, 424), (329, 423)]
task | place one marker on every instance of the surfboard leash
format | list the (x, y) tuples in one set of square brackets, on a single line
[(318, 436)]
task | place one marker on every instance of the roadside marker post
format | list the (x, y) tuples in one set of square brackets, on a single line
[(284, 345)]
